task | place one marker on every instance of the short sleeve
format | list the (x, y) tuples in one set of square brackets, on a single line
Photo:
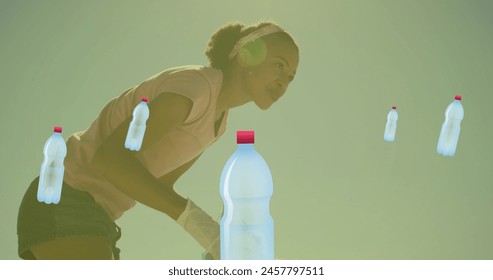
[(192, 84)]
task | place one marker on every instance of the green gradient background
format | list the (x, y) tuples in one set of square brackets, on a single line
[(341, 192)]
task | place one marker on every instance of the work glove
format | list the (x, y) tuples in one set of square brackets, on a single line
[(201, 227)]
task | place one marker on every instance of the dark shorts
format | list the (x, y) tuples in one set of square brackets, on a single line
[(77, 214)]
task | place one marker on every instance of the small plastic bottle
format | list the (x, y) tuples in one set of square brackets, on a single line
[(137, 128), (391, 126), (52, 168), (449, 134), (246, 227)]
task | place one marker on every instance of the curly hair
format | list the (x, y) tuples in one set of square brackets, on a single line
[(224, 39)]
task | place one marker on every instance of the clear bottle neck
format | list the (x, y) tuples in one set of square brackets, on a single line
[(245, 147)]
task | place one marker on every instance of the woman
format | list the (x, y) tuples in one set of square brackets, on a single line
[(188, 111)]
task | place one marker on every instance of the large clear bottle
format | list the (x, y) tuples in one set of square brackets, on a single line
[(52, 169), (246, 227), (137, 127), (391, 126), (449, 134)]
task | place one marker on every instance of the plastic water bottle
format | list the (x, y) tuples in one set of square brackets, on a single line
[(137, 127), (449, 134), (391, 126), (246, 227), (52, 168)]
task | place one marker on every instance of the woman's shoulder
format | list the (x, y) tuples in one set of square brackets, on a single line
[(197, 83), (192, 72), (192, 80)]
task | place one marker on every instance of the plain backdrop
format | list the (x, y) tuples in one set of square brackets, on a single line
[(340, 190)]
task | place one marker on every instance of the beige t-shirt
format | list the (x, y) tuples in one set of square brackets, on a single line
[(200, 84)]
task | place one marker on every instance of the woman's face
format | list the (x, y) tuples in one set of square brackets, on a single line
[(269, 80)]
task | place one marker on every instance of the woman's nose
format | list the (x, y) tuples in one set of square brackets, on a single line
[(282, 83)]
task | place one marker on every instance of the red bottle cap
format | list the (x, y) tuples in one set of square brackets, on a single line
[(58, 129), (458, 97), (394, 107), (245, 137), (144, 99)]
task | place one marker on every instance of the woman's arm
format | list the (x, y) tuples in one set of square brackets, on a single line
[(171, 177), (125, 172)]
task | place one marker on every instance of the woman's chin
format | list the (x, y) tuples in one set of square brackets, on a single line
[(264, 105)]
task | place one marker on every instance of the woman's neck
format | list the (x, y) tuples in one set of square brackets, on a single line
[(232, 93)]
